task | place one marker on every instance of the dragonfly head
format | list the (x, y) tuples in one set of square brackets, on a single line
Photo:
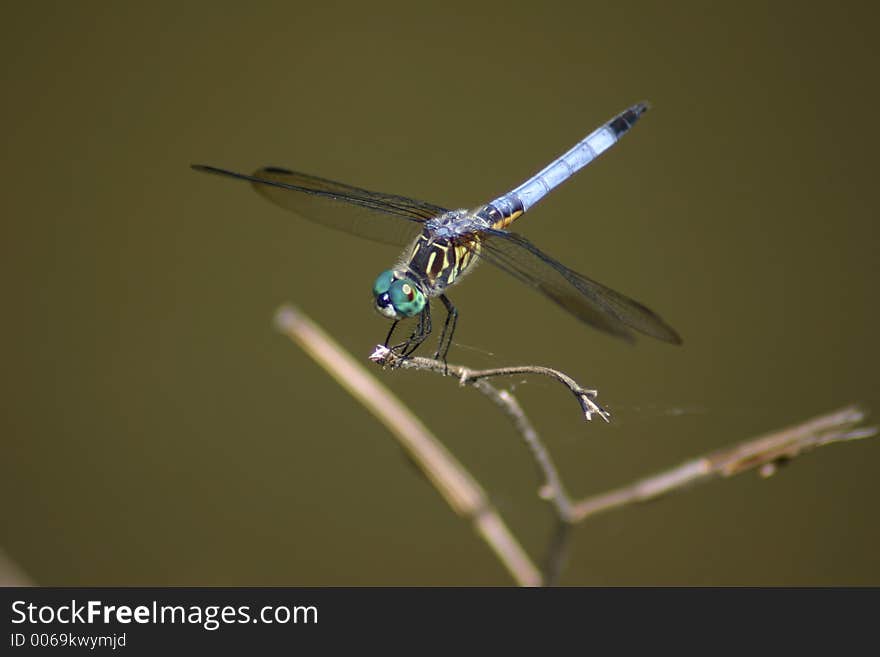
[(398, 296)]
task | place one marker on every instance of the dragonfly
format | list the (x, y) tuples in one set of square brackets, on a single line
[(444, 245)]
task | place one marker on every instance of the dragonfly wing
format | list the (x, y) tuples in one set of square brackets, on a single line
[(385, 218), (589, 301)]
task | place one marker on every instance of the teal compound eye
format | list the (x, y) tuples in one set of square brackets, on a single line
[(406, 298), (383, 282), (397, 297)]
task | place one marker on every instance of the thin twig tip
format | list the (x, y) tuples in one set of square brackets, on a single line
[(592, 408)]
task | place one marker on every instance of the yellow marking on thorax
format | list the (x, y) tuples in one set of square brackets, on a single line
[(438, 261), (447, 261), (464, 254), (431, 258)]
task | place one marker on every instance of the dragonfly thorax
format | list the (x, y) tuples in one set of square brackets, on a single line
[(444, 252)]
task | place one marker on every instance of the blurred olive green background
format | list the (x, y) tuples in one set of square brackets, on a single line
[(157, 431)]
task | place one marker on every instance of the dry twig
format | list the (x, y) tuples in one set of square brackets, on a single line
[(468, 499), (765, 454), (586, 396)]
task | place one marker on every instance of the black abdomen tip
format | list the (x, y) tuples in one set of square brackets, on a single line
[(627, 119)]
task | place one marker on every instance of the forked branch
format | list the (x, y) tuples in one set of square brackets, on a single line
[(467, 498), (460, 490)]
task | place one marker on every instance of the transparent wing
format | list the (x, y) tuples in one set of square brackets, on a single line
[(589, 301), (385, 218)]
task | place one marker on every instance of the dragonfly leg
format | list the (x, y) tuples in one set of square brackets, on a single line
[(417, 337), (448, 330), (391, 331), (419, 334), (400, 346)]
